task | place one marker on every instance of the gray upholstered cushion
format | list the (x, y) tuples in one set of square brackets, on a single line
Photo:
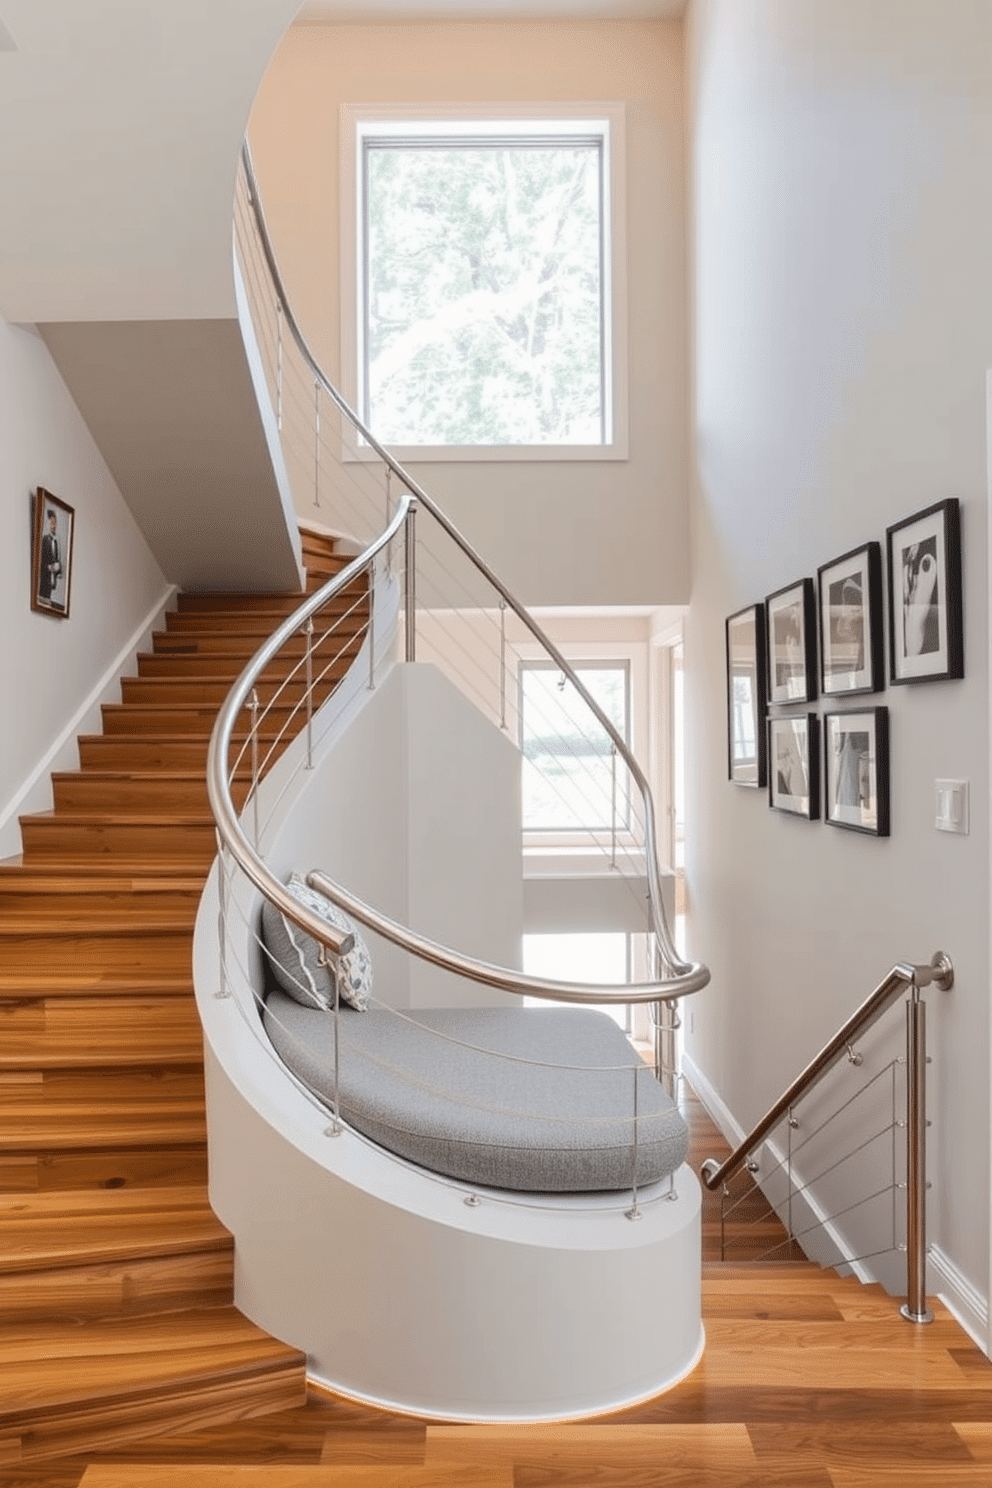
[(295, 956), (479, 1115)]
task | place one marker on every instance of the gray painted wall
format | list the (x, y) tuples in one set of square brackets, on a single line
[(842, 179)]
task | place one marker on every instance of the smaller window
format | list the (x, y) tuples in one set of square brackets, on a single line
[(568, 765)]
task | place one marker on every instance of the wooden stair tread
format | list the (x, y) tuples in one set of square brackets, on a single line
[(45, 1366), (64, 981), (100, 881), (99, 1031), (84, 1228), (110, 818), (78, 914)]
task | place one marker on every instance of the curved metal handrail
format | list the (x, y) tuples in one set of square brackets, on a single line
[(903, 974), (685, 976)]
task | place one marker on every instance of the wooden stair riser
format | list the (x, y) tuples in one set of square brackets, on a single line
[(211, 665), (57, 838), (42, 1231), (137, 794), (201, 692), (260, 624), (35, 1118), (98, 752), (98, 1032), (241, 645), (140, 951), (179, 1371), (57, 1170), (161, 721), (48, 897), (239, 604), (135, 1287)]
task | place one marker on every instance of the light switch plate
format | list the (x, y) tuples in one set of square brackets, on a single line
[(952, 806)]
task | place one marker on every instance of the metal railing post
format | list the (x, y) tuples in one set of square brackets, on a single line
[(915, 1307), (309, 669), (613, 805), (316, 441), (634, 1212), (410, 610), (222, 888), (371, 683), (502, 663), (279, 365), (253, 708)]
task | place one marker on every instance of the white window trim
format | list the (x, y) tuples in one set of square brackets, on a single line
[(456, 116)]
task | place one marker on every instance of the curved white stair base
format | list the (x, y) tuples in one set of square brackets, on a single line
[(400, 1293)]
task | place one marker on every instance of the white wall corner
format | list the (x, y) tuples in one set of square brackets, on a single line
[(35, 793), (958, 1295)]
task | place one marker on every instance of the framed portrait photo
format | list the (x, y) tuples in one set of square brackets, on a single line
[(746, 697), (850, 606), (794, 765), (51, 554), (856, 769), (791, 617), (926, 626)]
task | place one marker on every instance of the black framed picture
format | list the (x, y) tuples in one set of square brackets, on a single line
[(856, 769), (791, 615), (926, 626), (794, 765), (746, 760), (51, 554), (850, 607)]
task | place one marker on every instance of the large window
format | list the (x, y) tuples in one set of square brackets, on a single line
[(568, 773), (485, 312)]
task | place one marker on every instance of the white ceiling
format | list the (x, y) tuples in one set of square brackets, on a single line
[(318, 12)]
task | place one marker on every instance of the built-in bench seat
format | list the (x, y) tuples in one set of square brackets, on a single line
[(536, 1100)]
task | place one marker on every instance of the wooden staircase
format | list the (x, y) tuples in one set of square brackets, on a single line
[(116, 1280)]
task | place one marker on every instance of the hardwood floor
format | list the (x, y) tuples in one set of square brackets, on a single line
[(808, 1381)]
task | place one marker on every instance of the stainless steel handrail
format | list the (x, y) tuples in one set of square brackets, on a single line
[(229, 829), (687, 976), (939, 972), (500, 977)]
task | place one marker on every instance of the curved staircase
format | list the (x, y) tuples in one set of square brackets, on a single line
[(116, 1279)]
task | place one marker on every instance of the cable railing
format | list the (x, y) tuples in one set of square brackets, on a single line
[(454, 610), (814, 1167)]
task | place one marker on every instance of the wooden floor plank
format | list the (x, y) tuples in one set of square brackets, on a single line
[(475, 1475), (582, 1448), (977, 1438)]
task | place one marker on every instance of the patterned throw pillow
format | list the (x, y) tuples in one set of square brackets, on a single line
[(295, 956)]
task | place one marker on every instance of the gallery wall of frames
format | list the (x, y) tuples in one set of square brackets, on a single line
[(823, 639)]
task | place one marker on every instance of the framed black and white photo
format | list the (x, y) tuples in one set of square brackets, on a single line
[(856, 767), (926, 629), (746, 697), (51, 554), (791, 615), (794, 765), (850, 604)]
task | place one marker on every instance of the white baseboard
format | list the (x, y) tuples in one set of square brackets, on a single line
[(716, 1109), (35, 793), (959, 1296)]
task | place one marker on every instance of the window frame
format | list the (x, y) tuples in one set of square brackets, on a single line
[(360, 121), (545, 835)]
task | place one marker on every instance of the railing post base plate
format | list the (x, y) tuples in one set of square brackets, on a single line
[(915, 1317)]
